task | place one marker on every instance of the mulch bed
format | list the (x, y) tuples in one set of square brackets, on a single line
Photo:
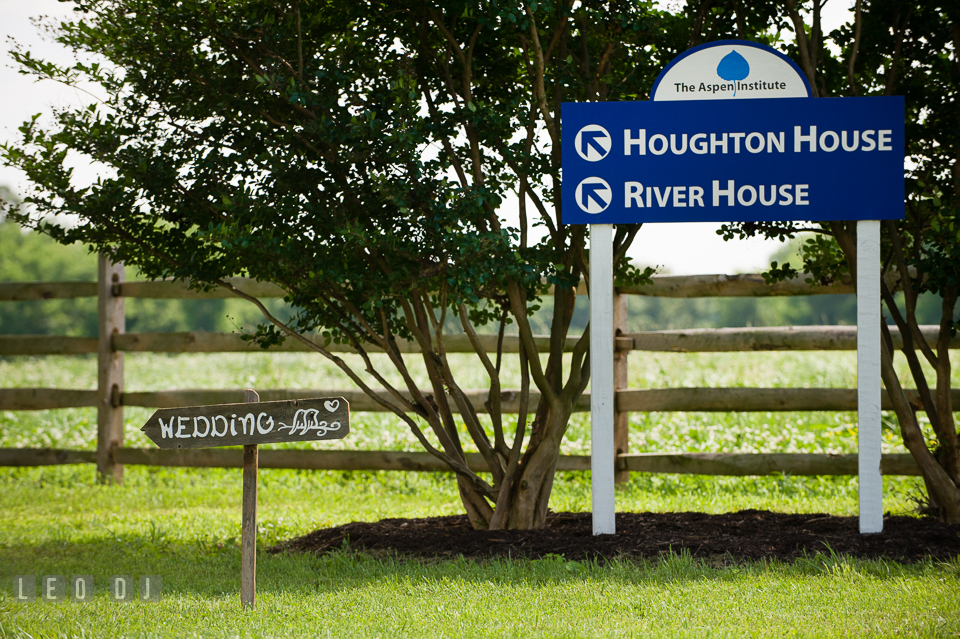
[(748, 534)]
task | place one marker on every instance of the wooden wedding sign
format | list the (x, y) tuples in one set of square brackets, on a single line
[(249, 424), (295, 420)]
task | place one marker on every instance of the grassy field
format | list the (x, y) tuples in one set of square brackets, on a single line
[(184, 525), (655, 432)]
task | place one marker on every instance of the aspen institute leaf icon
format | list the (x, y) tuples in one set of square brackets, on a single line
[(733, 67)]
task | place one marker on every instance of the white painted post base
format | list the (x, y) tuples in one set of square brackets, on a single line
[(601, 379), (868, 375)]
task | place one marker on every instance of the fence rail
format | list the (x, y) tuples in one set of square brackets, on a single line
[(684, 463), (650, 400), (698, 340), (110, 397), (683, 286)]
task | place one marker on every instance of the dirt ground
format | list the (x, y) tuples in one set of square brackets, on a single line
[(748, 534)]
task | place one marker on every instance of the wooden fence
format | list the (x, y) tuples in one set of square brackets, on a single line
[(110, 398)]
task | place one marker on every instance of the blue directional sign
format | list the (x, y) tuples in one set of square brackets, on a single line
[(733, 160)]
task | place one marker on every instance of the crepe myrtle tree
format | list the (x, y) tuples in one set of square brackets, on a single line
[(909, 49), (358, 155)]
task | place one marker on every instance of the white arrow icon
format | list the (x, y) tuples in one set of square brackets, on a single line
[(594, 195), (593, 143)]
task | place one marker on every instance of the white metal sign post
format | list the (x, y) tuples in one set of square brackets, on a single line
[(743, 159), (602, 449), (868, 376)]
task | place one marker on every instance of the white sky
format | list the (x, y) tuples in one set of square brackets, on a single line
[(679, 248)]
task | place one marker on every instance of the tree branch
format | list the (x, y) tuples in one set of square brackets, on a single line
[(538, 79), (857, 29)]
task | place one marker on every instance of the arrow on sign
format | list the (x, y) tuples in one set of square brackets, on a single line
[(593, 143), (594, 195)]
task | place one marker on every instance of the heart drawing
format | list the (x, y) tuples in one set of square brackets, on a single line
[(332, 404)]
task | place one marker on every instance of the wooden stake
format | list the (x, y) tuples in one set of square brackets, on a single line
[(248, 535), (110, 311)]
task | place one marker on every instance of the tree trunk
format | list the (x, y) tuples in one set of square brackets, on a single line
[(528, 491), (531, 490), (529, 494), (942, 490), (478, 509)]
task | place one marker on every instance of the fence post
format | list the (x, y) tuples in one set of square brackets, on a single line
[(111, 320), (621, 419)]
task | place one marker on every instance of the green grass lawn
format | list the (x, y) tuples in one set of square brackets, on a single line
[(184, 525)]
